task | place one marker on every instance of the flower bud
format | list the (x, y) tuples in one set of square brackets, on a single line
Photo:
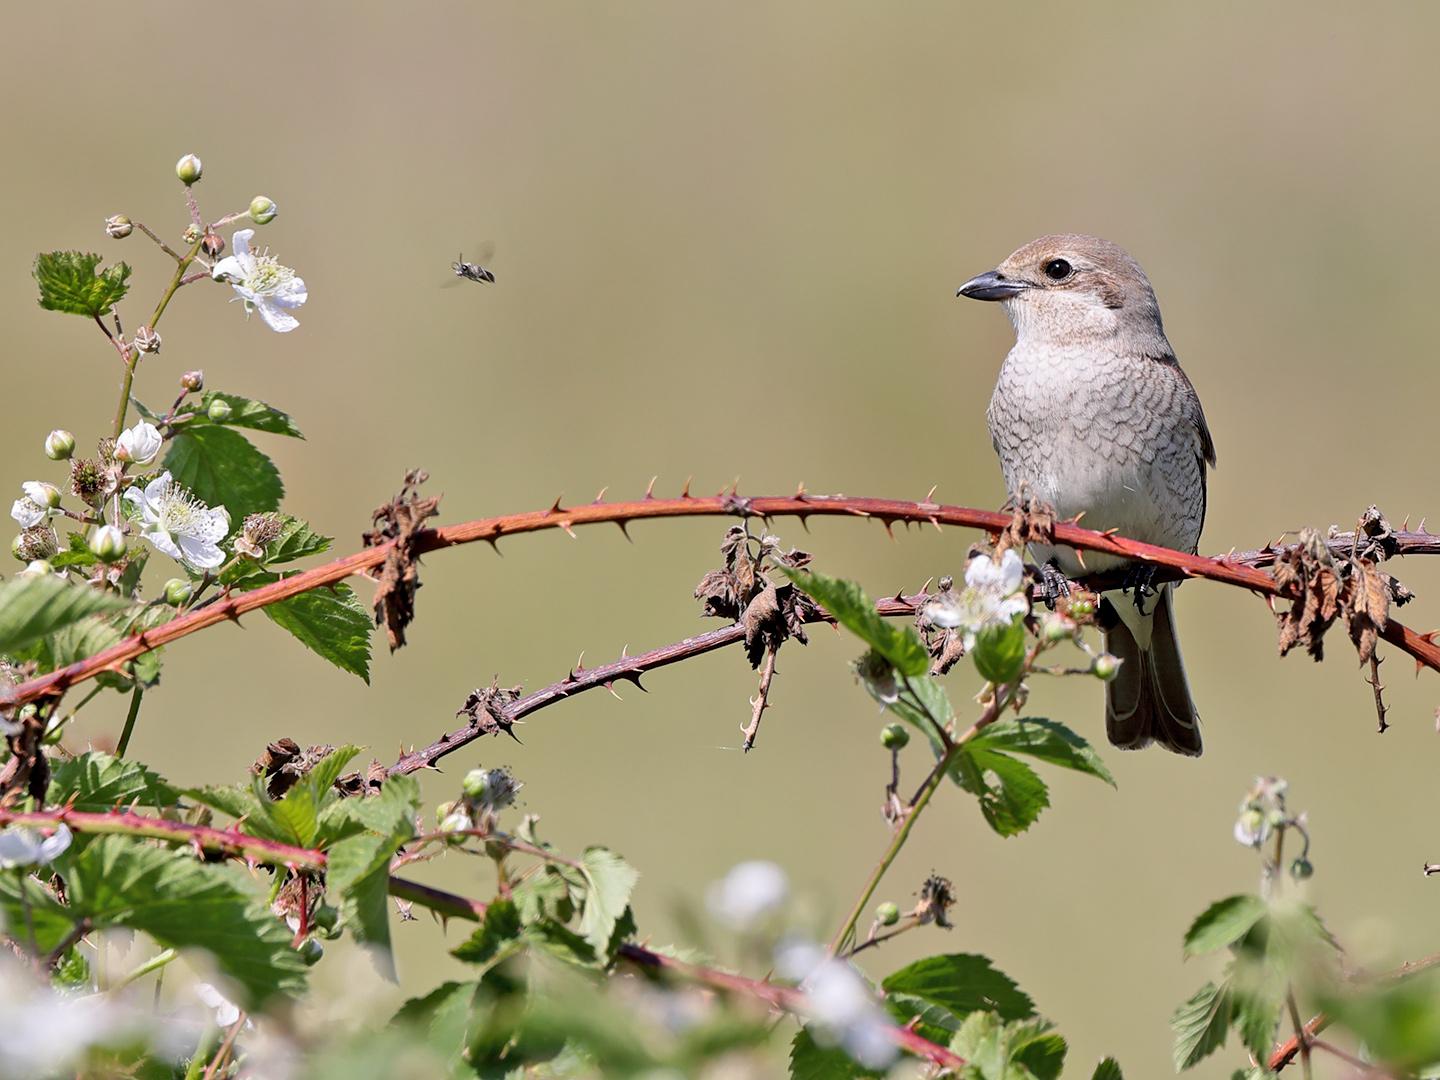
[(36, 542), (147, 340), (311, 951), (475, 783), (1056, 628), (194, 381), (118, 227), (1301, 869), (192, 234), (1082, 607), (888, 913), (219, 411), (1105, 666), (325, 917), (1250, 828), (262, 210), (108, 544), (59, 445), (189, 169), (894, 736), (178, 591), (459, 821), (41, 493), (139, 445), (212, 243), (38, 567)]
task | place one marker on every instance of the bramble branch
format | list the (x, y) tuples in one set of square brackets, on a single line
[(1242, 569)]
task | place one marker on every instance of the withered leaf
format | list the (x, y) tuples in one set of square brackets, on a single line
[(488, 708), (283, 764), (401, 520)]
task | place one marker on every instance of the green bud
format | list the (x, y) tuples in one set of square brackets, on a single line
[(475, 783), (108, 544), (888, 913), (38, 566), (189, 169), (219, 411), (458, 821), (118, 227), (311, 951), (1105, 667), (263, 210), (59, 445), (1056, 628), (1081, 608), (325, 917), (178, 591), (894, 736), (1301, 869)]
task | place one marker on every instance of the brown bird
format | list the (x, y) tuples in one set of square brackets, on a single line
[(1092, 414)]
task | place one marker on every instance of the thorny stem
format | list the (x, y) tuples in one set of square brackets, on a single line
[(760, 701), (130, 716), (225, 1047), (1241, 570), (1300, 1035)]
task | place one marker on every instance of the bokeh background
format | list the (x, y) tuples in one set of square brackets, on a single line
[(728, 240)]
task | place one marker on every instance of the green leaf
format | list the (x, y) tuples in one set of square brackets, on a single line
[(1047, 741), (1109, 1069), (1040, 1049), (39, 913), (921, 698), (855, 611), (1011, 793), (962, 983), (77, 553), (358, 867), (611, 880), (244, 413), (96, 782), (223, 468), (811, 1061), (36, 605), (71, 283), (999, 652), (296, 540), (72, 974), (331, 622), (1399, 1021), (929, 1021), (1255, 1015), (986, 1046), (184, 903), (1200, 1025), (498, 938), (1223, 923)]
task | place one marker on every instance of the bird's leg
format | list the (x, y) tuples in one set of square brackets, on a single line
[(1140, 579), (1054, 585)]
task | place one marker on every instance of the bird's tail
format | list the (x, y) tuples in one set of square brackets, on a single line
[(1149, 698)]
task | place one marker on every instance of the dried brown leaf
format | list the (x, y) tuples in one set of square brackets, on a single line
[(488, 708), (400, 523)]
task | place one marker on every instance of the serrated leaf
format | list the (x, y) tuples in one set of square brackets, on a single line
[(37, 919), (244, 413), (1200, 1025), (1047, 741), (184, 903), (962, 983), (296, 540), (929, 1021), (358, 867), (855, 611), (331, 622), (96, 782), (497, 939), (236, 801), (999, 652), (610, 880), (929, 701), (72, 974), (984, 1043), (1011, 794), (1223, 923), (223, 468), (37, 605), (1035, 1045), (811, 1061), (71, 282), (1256, 1015), (77, 553), (1109, 1069)]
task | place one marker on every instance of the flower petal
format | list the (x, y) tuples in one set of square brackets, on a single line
[(26, 513), (199, 553), (164, 544), (1012, 571), (278, 319), (228, 267), (292, 294)]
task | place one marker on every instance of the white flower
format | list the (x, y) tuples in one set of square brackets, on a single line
[(260, 280), (20, 846), (840, 1005), (226, 1011), (179, 524), (46, 1034), (748, 893), (27, 513), (992, 597), (43, 495), (139, 445)]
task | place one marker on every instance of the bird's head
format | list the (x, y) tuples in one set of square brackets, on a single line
[(1073, 289)]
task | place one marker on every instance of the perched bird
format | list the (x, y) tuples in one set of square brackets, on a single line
[(1092, 414)]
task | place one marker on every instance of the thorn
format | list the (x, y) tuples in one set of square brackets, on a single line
[(735, 487), (804, 520), (858, 512), (1076, 519), (611, 687), (625, 651), (936, 522), (931, 493), (800, 491), (555, 507), (579, 664), (685, 491), (621, 522), (889, 524), (494, 542), (1108, 533), (1421, 526), (601, 496), (926, 587), (1405, 525), (1080, 558), (569, 531), (1278, 541), (650, 487)]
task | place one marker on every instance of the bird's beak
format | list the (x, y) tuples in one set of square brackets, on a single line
[(992, 285)]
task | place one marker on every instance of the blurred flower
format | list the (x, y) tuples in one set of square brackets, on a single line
[(21, 846), (992, 597), (842, 1008), (226, 1011), (26, 512), (179, 524), (139, 445), (39, 567), (1262, 810), (750, 892), (45, 1034), (878, 675), (264, 285)]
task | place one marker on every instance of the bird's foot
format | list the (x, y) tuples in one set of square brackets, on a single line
[(1140, 580), (1054, 585)]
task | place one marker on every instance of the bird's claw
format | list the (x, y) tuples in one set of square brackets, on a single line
[(1054, 585), (1140, 579)]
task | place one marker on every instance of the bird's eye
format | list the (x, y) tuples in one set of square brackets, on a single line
[(1057, 269)]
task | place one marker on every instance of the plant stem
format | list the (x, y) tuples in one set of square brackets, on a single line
[(1300, 1034), (134, 355), (155, 963), (130, 721)]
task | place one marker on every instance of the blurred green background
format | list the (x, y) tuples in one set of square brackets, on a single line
[(728, 240)]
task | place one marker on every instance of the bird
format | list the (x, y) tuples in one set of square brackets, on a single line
[(1092, 414)]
